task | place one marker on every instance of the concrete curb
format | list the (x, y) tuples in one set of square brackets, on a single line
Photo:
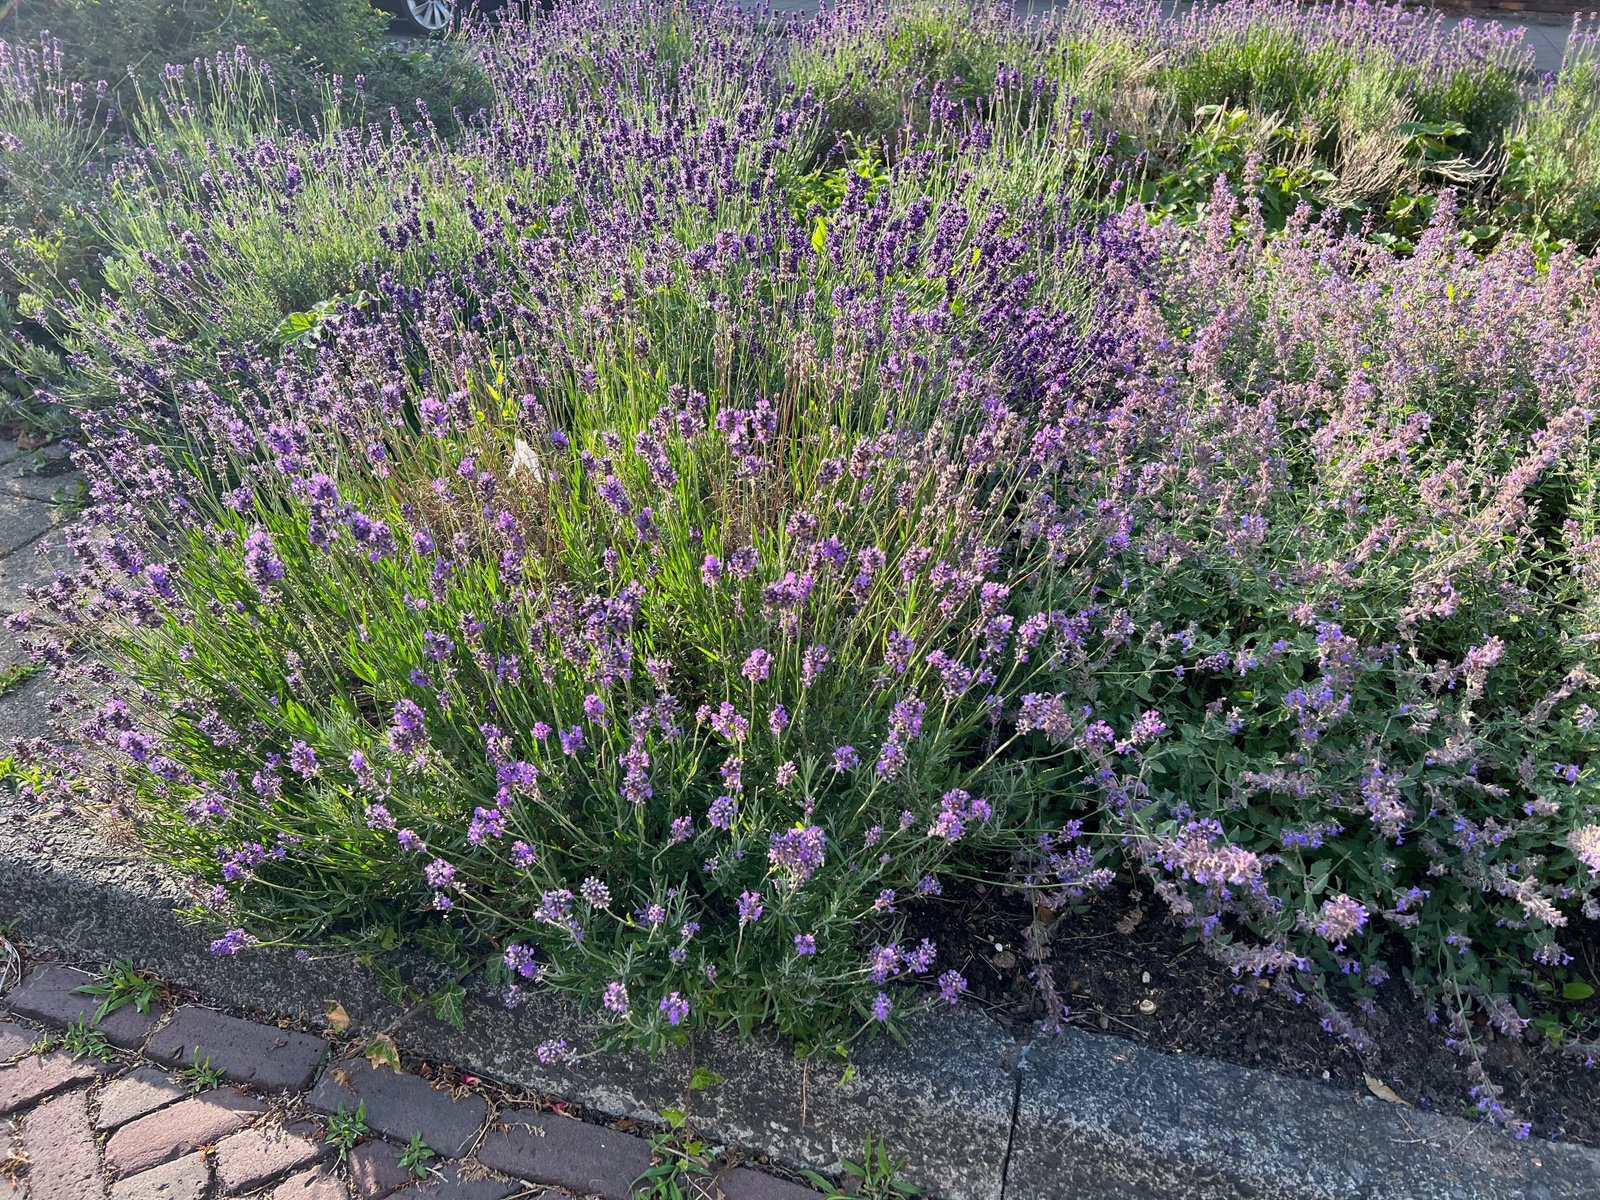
[(980, 1116)]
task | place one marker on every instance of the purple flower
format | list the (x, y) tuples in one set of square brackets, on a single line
[(440, 873), (261, 563), (595, 709), (951, 986), (595, 892), (1341, 917), (722, 812), (883, 962), (231, 942), (554, 1051), (919, 960), (408, 732), (750, 909), (811, 664), (845, 758), (676, 1008), (881, 1007), (786, 774), (303, 759), (757, 666), (778, 719), (798, 851), (520, 960), (572, 740), (682, 829), (711, 570), (726, 720), (523, 855), (804, 944), (410, 841), (616, 998)]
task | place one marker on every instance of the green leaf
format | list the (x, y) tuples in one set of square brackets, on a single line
[(1577, 990), (447, 1006), (702, 1079)]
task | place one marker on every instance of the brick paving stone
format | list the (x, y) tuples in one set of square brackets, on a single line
[(64, 1162), (452, 1184), (400, 1105), (47, 995), (742, 1183), (547, 1148), (315, 1184), (186, 1178), (254, 1157), (264, 1055), (375, 1169), (142, 1144), (39, 1075), (14, 1041), (135, 1094)]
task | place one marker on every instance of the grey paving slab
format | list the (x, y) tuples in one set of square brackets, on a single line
[(1101, 1117), (246, 1052), (544, 1147), (401, 1105), (1092, 1125), (49, 994)]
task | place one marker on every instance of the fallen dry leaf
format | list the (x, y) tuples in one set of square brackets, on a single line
[(340, 1075), (1130, 922), (338, 1018), (1383, 1091)]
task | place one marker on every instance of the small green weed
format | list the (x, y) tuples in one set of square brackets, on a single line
[(200, 1075), (676, 1156), (875, 1177), (121, 984), (346, 1129), (414, 1158), (82, 1041), (16, 675)]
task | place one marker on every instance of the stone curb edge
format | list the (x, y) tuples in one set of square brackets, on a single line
[(980, 1116)]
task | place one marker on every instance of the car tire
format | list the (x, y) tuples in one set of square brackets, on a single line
[(425, 18)]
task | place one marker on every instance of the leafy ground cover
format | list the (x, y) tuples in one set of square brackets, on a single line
[(650, 540)]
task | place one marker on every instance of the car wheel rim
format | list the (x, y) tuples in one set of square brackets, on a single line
[(432, 15)]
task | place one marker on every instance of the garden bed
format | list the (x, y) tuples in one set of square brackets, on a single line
[(607, 566)]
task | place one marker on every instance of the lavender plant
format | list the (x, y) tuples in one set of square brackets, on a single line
[(621, 601)]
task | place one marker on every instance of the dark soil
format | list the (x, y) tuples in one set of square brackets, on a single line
[(1122, 952)]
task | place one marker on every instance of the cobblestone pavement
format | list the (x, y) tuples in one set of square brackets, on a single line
[(261, 1118)]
